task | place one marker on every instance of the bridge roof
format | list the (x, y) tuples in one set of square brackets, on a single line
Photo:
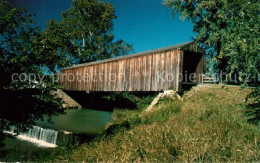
[(177, 46)]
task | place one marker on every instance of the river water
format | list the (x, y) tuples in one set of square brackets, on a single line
[(84, 121)]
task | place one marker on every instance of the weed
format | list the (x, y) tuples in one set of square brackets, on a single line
[(208, 126)]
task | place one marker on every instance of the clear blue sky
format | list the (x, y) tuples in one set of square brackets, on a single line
[(146, 24)]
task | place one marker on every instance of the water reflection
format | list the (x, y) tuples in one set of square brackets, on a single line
[(86, 121)]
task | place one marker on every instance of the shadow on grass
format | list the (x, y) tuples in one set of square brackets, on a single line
[(185, 87), (253, 106)]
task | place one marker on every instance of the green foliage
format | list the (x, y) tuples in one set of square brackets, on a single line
[(21, 51), (228, 30), (85, 33), (208, 126)]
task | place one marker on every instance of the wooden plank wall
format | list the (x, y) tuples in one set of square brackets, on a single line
[(193, 48), (201, 69), (150, 72)]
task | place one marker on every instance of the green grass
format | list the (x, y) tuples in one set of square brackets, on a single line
[(209, 125)]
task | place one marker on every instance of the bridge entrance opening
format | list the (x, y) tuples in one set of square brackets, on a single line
[(191, 67)]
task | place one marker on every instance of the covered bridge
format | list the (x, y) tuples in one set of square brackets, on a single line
[(154, 70)]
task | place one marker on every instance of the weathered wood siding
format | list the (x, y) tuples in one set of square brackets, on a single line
[(149, 72), (152, 72)]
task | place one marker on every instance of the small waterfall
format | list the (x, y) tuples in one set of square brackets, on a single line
[(41, 136)]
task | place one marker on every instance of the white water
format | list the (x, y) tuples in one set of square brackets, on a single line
[(40, 136)]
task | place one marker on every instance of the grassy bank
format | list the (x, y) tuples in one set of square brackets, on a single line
[(209, 125)]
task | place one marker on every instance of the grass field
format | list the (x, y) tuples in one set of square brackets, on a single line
[(209, 125)]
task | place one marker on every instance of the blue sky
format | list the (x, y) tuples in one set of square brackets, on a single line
[(146, 24)]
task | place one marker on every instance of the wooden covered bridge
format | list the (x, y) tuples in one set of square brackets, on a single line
[(155, 70)]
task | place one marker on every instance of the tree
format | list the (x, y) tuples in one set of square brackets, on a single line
[(228, 30), (22, 54), (85, 33)]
